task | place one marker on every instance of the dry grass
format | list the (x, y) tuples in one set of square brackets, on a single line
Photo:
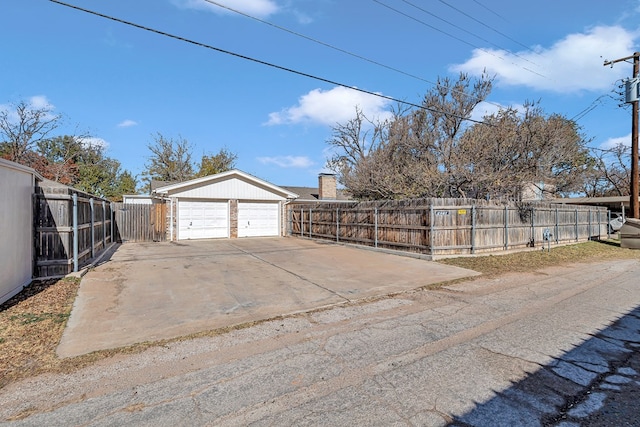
[(31, 324), (494, 265)]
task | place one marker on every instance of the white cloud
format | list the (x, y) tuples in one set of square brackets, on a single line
[(95, 142), (127, 123), (614, 142), (487, 109), (40, 102), (258, 8), (572, 64), (287, 161), (330, 107)]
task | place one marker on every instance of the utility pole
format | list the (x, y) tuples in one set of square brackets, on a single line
[(633, 201)]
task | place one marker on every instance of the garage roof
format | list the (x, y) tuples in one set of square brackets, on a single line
[(243, 181)]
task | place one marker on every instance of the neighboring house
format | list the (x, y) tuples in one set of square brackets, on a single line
[(137, 199), (532, 191), (17, 185), (327, 191), (229, 204)]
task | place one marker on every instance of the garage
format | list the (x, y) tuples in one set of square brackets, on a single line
[(202, 219), (226, 205), (258, 219)]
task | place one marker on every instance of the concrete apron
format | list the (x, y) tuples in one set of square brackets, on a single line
[(155, 291)]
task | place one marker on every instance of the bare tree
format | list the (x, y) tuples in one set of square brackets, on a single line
[(354, 140), (22, 127), (610, 173), (359, 151), (414, 153), (435, 151), (523, 148)]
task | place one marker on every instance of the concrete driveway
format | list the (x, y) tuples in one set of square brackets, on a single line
[(154, 291)]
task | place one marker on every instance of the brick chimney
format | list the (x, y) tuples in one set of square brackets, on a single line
[(327, 187)]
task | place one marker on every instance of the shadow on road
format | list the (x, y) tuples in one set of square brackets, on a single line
[(597, 383)]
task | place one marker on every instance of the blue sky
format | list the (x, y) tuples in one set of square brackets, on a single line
[(124, 84)]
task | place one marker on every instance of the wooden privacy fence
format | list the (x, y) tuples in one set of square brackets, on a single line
[(447, 226), (71, 229), (140, 223)]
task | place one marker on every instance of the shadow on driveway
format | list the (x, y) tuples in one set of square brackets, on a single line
[(596, 383)]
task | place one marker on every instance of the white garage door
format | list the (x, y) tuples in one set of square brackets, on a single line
[(258, 219), (202, 220)]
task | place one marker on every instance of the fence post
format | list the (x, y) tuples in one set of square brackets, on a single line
[(431, 229), (104, 224), (589, 224), (557, 230), (75, 232), (93, 238), (310, 223), (337, 224), (473, 229), (533, 227), (112, 217), (301, 222), (599, 227), (289, 230), (608, 222), (375, 219), (576, 218), (506, 227)]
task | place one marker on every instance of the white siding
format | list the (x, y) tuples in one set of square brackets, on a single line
[(16, 228), (232, 188), (137, 200)]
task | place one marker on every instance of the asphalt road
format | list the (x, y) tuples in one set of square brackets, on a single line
[(558, 347)]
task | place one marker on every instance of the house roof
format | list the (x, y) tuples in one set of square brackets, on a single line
[(234, 173), (156, 183), (612, 202), (311, 194)]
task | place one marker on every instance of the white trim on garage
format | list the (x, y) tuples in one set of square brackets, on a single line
[(253, 207), (258, 219), (232, 185), (202, 219)]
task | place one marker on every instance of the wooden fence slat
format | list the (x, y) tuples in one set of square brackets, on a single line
[(140, 223), (446, 226), (53, 226)]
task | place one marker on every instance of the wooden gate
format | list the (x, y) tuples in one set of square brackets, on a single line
[(140, 223)]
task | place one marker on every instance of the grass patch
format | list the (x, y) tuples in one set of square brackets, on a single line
[(31, 325), (528, 261)]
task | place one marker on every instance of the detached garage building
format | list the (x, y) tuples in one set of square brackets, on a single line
[(229, 204)]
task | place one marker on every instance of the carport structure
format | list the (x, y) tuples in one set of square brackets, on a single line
[(229, 204)]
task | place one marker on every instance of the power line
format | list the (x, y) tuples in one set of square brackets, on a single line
[(319, 42), (258, 61), (406, 15), (490, 10), (596, 102), (465, 30), (485, 25), (336, 48)]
